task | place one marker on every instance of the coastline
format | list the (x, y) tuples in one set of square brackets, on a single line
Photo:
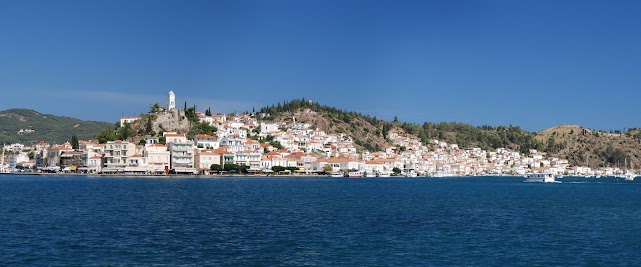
[(302, 176)]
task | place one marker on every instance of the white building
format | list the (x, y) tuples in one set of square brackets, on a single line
[(129, 120), (117, 154), (158, 158), (268, 127), (172, 101), (206, 141), (182, 156)]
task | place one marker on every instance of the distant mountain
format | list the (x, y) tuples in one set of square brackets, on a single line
[(28, 126)]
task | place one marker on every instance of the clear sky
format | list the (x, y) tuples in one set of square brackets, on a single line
[(535, 63)]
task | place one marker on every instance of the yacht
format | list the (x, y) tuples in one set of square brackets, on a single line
[(540, 177), (440, 174), (411, 174), (336, 174)]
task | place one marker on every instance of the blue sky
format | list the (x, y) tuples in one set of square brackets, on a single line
[(535, 64)]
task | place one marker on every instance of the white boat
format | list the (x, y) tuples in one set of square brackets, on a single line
[(336, 174), (411, 174), (370, 174), (384, 174), (540, 177), (629, 175), (355, 174), (440, 174)]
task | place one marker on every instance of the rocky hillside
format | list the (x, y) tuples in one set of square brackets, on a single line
[(366, 133), (583, 146), (28, 126), (154, 123), (579, 145)]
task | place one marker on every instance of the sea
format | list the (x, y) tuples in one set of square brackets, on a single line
[(302, 221)]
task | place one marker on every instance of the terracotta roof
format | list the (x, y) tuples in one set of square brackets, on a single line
[(336, 160), (202, 136)]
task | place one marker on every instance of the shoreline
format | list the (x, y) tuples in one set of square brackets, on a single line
[(226, 176)]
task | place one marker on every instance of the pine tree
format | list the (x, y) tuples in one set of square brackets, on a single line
[(75, 144)]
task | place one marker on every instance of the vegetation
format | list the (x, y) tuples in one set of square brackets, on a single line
[(201, 128), (577, 144), (282, 169), (297, 104), (46, 127), (468, 136), (75, 144), (118, 133)]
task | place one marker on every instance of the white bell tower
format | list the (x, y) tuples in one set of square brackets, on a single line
[(172, 101)]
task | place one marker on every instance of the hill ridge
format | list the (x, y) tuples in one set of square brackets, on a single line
[(23, 125)]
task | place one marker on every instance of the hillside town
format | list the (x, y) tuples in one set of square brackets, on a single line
[(245, 144)]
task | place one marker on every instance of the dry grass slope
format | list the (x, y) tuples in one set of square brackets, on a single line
[(584, 146)]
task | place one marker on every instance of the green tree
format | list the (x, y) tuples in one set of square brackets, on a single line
[(216, 167), (75, 144), (125, 131), (276, 144), (106, 136), (396, 170), (327, 168), (278, 168), (148, 125), (233, 168), (154, 109), (190, 113), (201, 128)]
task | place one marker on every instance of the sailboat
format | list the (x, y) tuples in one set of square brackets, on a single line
[(587, 163), (629, 175)]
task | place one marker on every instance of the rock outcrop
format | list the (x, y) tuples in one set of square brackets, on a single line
[(172, 121)]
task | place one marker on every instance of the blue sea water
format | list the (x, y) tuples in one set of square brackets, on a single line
[(478, 221)]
